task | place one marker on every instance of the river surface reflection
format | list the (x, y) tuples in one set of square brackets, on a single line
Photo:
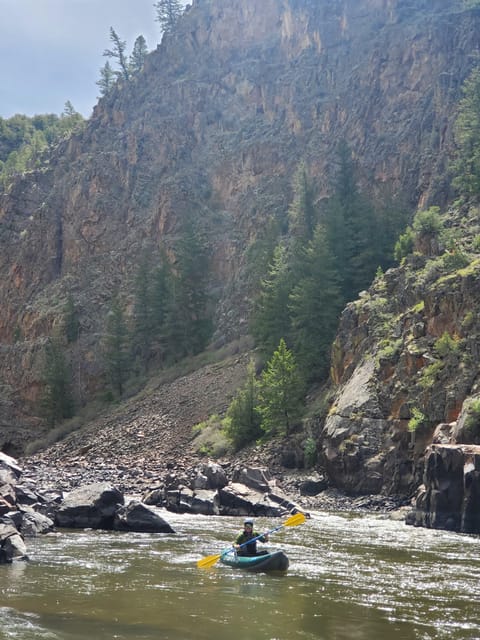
[(350, 578)]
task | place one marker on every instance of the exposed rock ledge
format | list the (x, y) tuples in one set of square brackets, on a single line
[(450, 495)]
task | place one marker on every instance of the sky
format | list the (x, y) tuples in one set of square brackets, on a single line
[(51, 51)]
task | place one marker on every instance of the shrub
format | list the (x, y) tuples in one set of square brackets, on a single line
[(430, 374), (446, 345), (389, 349), (243, 419), (210, 439), (472, 421), (476, 244), (455, 259), (310, 452), (428, 222), (404, 244), (417, 420)]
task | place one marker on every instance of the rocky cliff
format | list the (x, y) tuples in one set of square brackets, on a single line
[(214, 128), (405, 367)]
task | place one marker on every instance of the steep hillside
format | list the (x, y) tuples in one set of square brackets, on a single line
[(213, 130)]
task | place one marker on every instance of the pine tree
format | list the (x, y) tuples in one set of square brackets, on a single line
[(161, 294), (117, 348), (118, 54), (281, 393), (168, 12), (271, 320), (315, 305), (138, 55), (142, 313), (301, 214), (243, 419), (107, 79), (467, 137), (187, 319), (57, 400), (351, 229)]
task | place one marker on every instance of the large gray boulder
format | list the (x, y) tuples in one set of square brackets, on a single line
[(137, 516), (237, 499), (450, 495), (34, 523), (92, 506), (210, 476)]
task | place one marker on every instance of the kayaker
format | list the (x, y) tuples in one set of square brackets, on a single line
[(247, 534)]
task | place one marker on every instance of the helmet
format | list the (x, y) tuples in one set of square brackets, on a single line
[(248, 521)]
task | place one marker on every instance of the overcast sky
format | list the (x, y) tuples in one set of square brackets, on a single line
[(51, 50)]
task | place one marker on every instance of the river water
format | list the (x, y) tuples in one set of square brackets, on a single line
[(351, 577)]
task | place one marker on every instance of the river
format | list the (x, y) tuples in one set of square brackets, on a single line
[(351, 577)]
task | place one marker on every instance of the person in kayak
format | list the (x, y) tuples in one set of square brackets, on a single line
[(247, 534)]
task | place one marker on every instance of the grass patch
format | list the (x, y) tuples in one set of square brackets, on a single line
[(210, 439)]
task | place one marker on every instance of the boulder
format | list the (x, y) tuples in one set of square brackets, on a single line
[(253, 477), (33, 523), (26, 495), (9, 469), (155, 496), (450, 494), (12, 546), (239, 500), (312, 487), (204, 502), (210, 476), (138, 517), (92, 506), (179, 500)]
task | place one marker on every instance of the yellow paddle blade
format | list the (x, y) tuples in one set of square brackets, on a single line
[(295, 520), (209, 561)]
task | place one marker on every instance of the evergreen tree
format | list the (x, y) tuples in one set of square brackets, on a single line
[(118, 53), (142, 312), (301, 213), (161, 294), (243, 419), (107, 79), (117, 348), (153, 301), (70, 120), (467, 137), (168, 12), (271, 320), (391, 218), (138, 55), (351, 230), (187, 319), (315, 305), (281, 393), (57, 400)]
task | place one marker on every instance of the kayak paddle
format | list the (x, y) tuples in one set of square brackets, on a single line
[(292, 521)]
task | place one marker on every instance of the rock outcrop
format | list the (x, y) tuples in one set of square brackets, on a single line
[(450, 495), (404, 368)]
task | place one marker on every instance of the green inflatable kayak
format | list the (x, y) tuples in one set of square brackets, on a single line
[(274, 561)]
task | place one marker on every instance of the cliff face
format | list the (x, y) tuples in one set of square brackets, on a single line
[(213, 128), (405, 367)]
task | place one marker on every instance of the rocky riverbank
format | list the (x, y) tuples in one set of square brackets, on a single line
[(144, 452)]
